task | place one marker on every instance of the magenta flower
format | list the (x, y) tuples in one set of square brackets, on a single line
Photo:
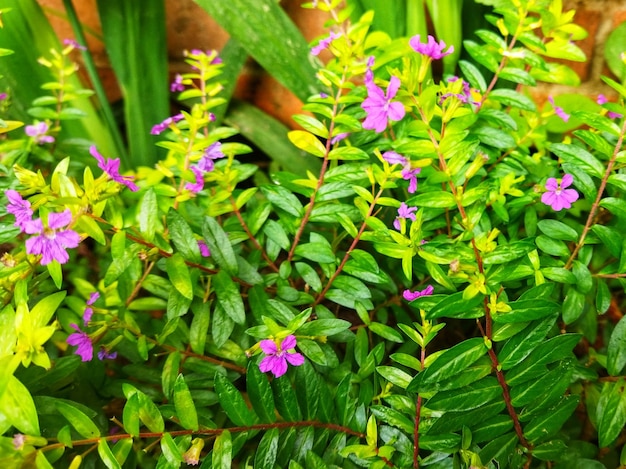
[(88, 309), (324, 43), (404, 212), (278, 356), (559, 110), (558, 197), (19, 207), (52, 241), (409, 295), (379, 107), (610, 114), (74, 44), (339, 137), (104, 354), (602, 99), (392, 157), (410, 174), (83, 342), (3, 96), (177, 84), (431, 48), (112, 167), (204, 249), (161, 127), (38, 133), (199, 184)]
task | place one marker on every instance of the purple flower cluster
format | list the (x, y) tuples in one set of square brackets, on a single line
[(88, 307), (408, 173), (53, 240), (404, 212), (378, 105), (277, 356), (177, 84), (558, 196), (81, 339), (39, 133), (112, 168), (205, 165), (465, 96)]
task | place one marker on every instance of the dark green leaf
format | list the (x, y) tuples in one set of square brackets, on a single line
[(498, 449), (285, 399), (552, 246), (267, 450), (547, 424), (528, 310), (220, 246), (222, 451), (283, 198), (611, 412), (232, 402), (182, 236), (229, 297), (260, 393), (579, 156), (308, 385), (199, 326), (468, 397), (557, 230), (616, 353), (521, 345)]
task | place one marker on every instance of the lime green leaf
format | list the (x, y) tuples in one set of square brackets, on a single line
[(178, 272), (437, 199), (81, 422), (182, 236), (106, 455), (185, 407), (148, 212), (170, 450), (616, 353), (41, 313), (308, 142), (222, 451), (17, 408)]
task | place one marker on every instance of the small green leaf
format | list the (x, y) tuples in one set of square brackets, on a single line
[(81, 422), (106, 455), (260, 393), (229, 297), (616, 353), (308, 142), (513, 98), (182, 236), (170, 450), (220, 246), (557, 230), (169, 374), (222, 451), (611, 412), (178, 272), (283, 198), (435, 199), (267, 450), (386, 332), (185, 407), (232, 402), (147, 216)]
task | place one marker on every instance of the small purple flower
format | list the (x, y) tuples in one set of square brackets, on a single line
[(204, 249), (410, 174), (614, 115), (74, 44), (52, 241), (177, 84), (19, 440), (339, 137), (19, 207), (404, 212), (278, 356), (104, 354), (392, 157), (557, 196), (379, 107), (602, 99), (83, 342), (213, 152), (199, 184), (431, 48), (324, 43), (409, 295), (88, 309), (38, 133), (161, 127), (3, 96), (559, 110), (112, 167)]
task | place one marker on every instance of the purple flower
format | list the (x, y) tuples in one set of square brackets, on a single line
[(613, 115), (19, 440), (38, 132), (52, 241), (404, 212), (213, 152), (410, 175), (19, 207), (369, 74), (278, 356), (204, 249), (104, 354), (199, 184), (159, 128), (74, 44), (83, 342), (392, 157), (379, 107), (88, 309), (324, 43), (339, 137), (431, 48), (177, 84), (409, 295), (111, 167), (558, 110), (3, 96), (558, 197), (602, 99)]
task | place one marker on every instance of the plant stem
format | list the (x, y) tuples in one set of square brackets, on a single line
[(596, 203), (418, 410)]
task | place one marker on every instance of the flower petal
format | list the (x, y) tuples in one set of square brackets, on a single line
[(268, 346), (288, 342)]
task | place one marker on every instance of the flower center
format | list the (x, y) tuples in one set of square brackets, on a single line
[(49, 233)]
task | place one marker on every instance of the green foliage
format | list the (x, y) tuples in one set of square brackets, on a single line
[(404, 298)]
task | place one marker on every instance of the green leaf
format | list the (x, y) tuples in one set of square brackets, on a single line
[(222, 327), (308, 385), (267, 450), (347, 154), (170, 450), (579, 156), (199, 327), (185, 407), (286, 400), (308, 142), (169, 374), (475, 395), (453, 306), (386, 332), (182, 236), (522, 344), (435, 199), (309, 275), (81, 422), (573, 305), (616, 352), (106, 455), (17, 408), (395, 376), (220, 246), (316, 252), (557, 230), (254, 23), (550, 421), (283, 199), (473, 75), (528, 310), (611, 412), (178, 272), (140, 67), (552, 246), (260, 393), (312, 350), (130, 415), (615, 206), (232, 402), (498, 449), (222, 451), (148, 213), (513, 98), (229, 297), (550, 451), (42, 312), (274, 231)]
